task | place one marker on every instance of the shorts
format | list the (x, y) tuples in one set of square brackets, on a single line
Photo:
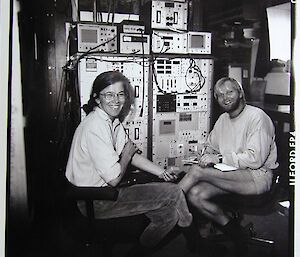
[(263, 179)]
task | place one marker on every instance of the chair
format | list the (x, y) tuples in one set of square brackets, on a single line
[(96, 236)]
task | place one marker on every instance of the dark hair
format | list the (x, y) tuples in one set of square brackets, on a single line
[(233, 81), (104, 80)]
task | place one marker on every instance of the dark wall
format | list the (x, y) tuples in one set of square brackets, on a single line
[(43, 54)]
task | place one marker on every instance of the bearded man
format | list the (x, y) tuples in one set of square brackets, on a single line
[(243, 137)]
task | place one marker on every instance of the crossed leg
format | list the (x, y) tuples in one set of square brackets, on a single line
[(238, 181), (200, 195), (201, 184)]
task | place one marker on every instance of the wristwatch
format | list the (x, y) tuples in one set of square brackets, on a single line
[(220, 157)]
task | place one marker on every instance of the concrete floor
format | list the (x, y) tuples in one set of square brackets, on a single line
[(49, 243), (272, 227)]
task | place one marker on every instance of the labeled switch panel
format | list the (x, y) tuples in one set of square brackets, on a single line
[(177, 136), (165, 14), (181, 108), (169, 42), (131, 43), (182, 75)]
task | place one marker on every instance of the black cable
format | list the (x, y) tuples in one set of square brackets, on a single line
[(108, 10), (202, 78), (93, 48), (61, 127), (187, 72), (60, 94), (106, 60), (194, 89), (113, 12), (161, 50), (99, 52), (67, 109), (124, 61), (155, 76), (143, 61), (90, 51), (100, 12), (154, 60), (153, 68), (199, 85), (155, 79)]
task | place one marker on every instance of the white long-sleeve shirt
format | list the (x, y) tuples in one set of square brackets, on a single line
[(96, 147), (246, 141)]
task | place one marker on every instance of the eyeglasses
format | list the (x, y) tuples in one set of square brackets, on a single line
[(109, 96)]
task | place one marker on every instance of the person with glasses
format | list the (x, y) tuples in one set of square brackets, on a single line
[(99, 156)]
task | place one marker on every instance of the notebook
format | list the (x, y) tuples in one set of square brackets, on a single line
[(220, 166), (224, 167)]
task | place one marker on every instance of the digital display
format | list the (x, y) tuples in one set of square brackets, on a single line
[(167, 38), (170, 5), (139, 39), (190, 97), (89, 36), (197, 41), (166, 103)]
